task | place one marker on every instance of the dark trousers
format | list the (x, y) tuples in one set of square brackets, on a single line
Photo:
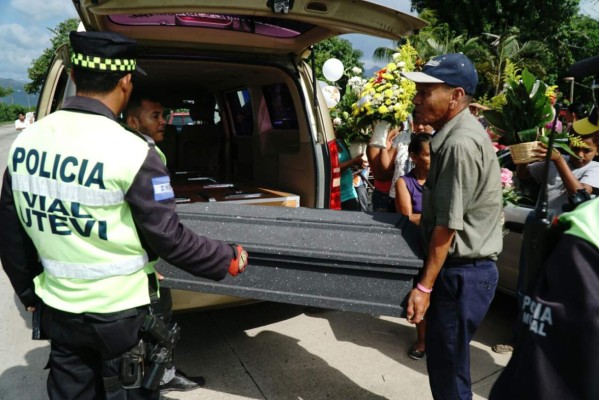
[(460, 299), (350, 205), (363, 197), (86, 349), (382, 201)]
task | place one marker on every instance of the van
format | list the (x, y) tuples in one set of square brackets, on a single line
[(259, 167)]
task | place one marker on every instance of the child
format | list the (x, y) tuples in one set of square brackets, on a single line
[(568, 174)]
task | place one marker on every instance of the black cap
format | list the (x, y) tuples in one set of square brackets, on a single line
[(104, 52)]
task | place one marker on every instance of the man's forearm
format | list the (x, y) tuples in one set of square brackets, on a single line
[(571, 183), (438, 248)]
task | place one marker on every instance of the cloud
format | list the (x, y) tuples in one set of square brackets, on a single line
[(20, 46), (40, 10)]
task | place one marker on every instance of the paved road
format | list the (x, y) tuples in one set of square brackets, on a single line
[(270, 351)]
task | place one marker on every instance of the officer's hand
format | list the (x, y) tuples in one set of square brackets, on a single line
[(418, 303), (239, 261)]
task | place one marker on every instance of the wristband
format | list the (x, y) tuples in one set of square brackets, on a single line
[(423, 289)]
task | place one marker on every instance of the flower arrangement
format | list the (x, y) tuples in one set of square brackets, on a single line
[(524, 105), (387, 96), (523, 112), (510, 195), (344, 121)]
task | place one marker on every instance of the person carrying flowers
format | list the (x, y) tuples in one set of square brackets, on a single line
[(568, 174)]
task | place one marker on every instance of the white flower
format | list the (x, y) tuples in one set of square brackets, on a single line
[(401, 64), (356, 70), (336, 121), (354, 81), (397, 57)]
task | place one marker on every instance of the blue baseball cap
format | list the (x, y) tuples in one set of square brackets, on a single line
[(453, 69)]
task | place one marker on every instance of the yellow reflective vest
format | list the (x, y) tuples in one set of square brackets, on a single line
[(70, 172)]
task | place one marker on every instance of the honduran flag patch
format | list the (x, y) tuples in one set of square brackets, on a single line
[(162, 188)]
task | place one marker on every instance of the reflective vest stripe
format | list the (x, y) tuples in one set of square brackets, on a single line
[(66, 191), (94, 271)]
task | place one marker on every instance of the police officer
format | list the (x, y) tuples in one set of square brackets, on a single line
[(556, 355), (145, 115), (87, 209)]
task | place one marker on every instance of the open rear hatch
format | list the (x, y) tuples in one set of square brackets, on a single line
[(352, 261), (255, 26)]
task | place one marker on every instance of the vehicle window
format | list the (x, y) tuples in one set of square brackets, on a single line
[(280, 107), (241, 109), (265, 26)]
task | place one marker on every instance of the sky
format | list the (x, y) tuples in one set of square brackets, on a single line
[(25, 24)]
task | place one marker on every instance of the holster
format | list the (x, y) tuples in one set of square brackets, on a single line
[(132, 367)]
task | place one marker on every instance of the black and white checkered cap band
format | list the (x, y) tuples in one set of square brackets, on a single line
[(103, 64)]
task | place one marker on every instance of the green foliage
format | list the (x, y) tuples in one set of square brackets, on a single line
[(527, 108), (343, 120), (10, 112), (39, 66), (538, 20), (6, 91), (340, 49), (552, 23)]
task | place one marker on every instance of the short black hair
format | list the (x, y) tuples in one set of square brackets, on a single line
[(417, 142), (135, 102), (90, 81)]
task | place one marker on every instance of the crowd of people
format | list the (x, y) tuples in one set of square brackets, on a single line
[(439, 170), (431, 174)]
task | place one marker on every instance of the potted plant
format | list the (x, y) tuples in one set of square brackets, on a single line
[(524, 109), (386, 98)]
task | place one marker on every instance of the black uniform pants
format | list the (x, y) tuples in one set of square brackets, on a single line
[(86, 349)]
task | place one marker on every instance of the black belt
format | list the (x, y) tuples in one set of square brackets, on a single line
[(465, 260)]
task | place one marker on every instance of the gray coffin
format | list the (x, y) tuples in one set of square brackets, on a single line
[(352, 261)]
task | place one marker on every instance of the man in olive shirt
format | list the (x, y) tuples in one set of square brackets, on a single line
[(460, 220)]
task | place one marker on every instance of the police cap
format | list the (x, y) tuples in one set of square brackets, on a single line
[(104, 52)]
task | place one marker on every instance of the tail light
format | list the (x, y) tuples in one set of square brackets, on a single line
[(335, 197)]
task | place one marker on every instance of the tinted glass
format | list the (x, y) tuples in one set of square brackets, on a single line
[(241, 108), (280, 107)]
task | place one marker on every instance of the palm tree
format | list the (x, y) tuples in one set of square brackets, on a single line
[(522, 55)]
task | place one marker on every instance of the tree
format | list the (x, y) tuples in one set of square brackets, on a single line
[(39, 67), (6, 91), (437, 38), (340, 49), (521, 55), (579, 40), (536, 19)]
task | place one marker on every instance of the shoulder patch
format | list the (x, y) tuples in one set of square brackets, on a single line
[(162, 188)]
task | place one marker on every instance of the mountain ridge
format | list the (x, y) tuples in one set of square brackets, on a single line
[(19, 96)]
